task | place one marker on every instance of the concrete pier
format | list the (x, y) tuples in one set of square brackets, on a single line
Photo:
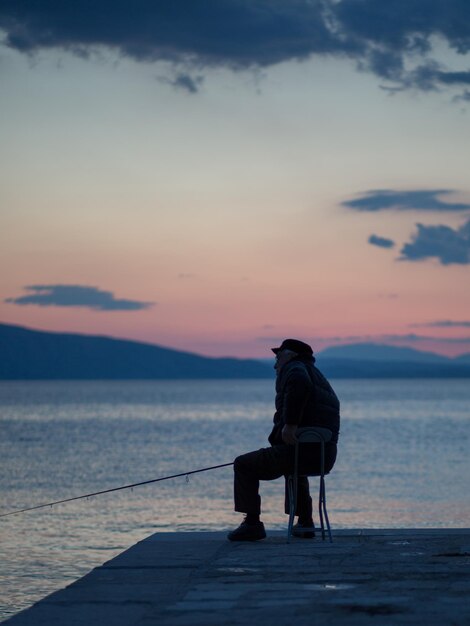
[(366, 576)]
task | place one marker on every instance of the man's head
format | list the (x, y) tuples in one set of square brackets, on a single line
[(295, 345), (290, 349)]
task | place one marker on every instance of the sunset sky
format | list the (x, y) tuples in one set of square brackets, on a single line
[(217, 175)]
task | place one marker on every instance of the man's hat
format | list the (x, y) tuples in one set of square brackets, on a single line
[(295, 345)]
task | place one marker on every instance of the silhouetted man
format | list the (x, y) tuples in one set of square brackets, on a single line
[(303, 398)]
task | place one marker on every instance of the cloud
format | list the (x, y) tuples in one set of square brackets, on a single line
[(77, 296), (393, 39), (449, 246), (185, 82), (420, 199), (463, 97), (230, 33), (442, 324), (381, 242), (412, 338), (320, 343), (426, 76), (399, 36)]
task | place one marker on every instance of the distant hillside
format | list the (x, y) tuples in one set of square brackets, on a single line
[(381, 352), (36, 355), (463, 358), (349, 368), (369, 360)]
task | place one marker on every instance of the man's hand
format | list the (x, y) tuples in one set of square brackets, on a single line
[(288, 434)]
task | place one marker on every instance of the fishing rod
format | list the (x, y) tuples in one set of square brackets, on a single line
[(99, 493)]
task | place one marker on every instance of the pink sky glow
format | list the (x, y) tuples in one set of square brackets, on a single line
[(233, 209)]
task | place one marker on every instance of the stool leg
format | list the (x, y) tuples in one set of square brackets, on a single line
[(292, 481), (320, 508), (325, 511), (291, 491)]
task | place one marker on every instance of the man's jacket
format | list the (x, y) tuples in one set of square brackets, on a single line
[(304, 397)]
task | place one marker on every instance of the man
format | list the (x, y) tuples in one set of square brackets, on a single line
[(303, 398)]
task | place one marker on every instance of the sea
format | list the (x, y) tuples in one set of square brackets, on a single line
[(403, 461)]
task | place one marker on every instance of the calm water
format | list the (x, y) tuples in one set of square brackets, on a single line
[(403, 462)]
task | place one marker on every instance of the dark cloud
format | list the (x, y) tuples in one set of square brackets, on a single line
[(409, 338), (412, 338), (443, 324), (233, 33), (185, 82), (449, 246), (382, 242), (398, 38), (398, 339), (463, 97), (77, 296), (392, 38), (420, 199), (407, 24)]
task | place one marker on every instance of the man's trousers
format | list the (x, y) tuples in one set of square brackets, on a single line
[(271, 463)]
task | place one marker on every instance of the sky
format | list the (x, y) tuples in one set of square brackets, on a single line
[(215, 176)]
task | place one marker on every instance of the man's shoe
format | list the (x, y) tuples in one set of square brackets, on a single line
[(247, 532), (303, 531)]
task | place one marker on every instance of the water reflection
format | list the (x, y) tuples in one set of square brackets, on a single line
[(62, 439)]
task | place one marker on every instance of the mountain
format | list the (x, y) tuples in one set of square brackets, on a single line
[(463, 358), (381, 352), (369, 360), (36, 355)]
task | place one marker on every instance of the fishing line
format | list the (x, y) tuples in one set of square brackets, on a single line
[(99, 493)]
